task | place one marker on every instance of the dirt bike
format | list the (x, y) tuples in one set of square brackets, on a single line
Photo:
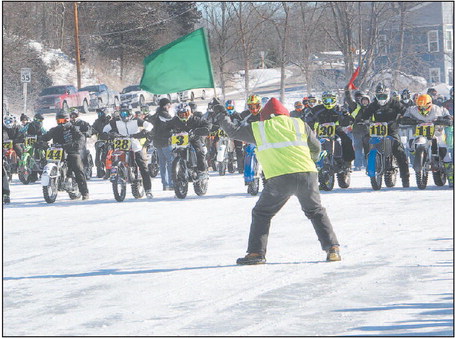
[(428, 155), (331, 159), (225, 154), (124, 170), (152, 160), (56, 175), (184, 167), (30, 165), (9, 158), (252, 170), (381, 163)]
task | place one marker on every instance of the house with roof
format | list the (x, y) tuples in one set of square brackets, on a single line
[(428, 43)]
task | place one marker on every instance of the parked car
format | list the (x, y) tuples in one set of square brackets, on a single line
[(198, 93), (136, 96), (56, 98), (101, 96)]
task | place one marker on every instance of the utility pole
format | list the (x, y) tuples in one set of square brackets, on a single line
[(78, 54)]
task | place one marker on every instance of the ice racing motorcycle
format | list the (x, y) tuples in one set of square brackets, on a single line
[(428, 156), (30, 164), (57, 176), (152, 160), (252, 171), (225, 154), (381, 163), (184, 167), (330, 160), (124, 170)]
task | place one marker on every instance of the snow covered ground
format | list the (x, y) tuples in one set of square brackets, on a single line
[(167, 266)]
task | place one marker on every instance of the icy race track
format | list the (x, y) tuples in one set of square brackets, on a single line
[(167, 266)]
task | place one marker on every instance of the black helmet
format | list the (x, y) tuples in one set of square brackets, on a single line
[(382, 94), (62, 115), (432, 92), (164, 101), (358, 95), (101, 112), (24, 117), (38, 117), (405, 94)]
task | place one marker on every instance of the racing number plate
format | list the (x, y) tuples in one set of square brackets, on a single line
[(122, 144), (8, 145), (425, 129), (54, 154), (30, 140), (180, 140), (379, 129), (326, 129)]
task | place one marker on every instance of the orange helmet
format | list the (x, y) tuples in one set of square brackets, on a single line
[(254, 104), (424, 103)]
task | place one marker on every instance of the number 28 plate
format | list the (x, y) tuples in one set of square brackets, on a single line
[(122, 144)]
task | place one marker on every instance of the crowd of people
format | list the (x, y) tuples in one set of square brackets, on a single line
[(350, 116)]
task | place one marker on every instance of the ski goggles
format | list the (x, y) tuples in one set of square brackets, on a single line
[(313, 101), (254, 108), (424, 109), (230, 107), (62, 121), (124, 113), (329, 100), (298, 107), (382, 96)]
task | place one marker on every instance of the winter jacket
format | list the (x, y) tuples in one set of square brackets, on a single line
[(248, 118), (129, 128), (99, 124), (282, 144), (67, 135), (13, 133), (161, 138), (84, 127), (194, 122), (449, 106), (407, 104), (386, 113), (323, 115)]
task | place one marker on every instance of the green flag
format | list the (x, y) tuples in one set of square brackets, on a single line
[(181, 65)]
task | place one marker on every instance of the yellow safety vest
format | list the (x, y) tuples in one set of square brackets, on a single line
[(282, 146)]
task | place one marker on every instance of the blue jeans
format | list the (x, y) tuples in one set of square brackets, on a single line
[(360, 160), (165, 158)]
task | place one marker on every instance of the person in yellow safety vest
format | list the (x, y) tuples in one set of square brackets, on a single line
[(287, 149)]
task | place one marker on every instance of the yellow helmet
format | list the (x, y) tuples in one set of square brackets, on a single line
[(424, 103), (254, 104)]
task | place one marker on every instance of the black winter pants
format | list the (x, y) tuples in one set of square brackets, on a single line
[(276, 193), (239, 154), (75, 165), (346, 145), (141, 161), (201, 152), (5, 183)]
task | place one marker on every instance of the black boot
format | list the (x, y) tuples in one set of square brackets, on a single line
[(405, 181), (251, 259)]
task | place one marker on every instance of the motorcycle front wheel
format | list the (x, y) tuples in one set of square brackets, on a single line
[(376, 180), (422, 174), (50, 191), (119, 184), (154, 166), (178, 176)]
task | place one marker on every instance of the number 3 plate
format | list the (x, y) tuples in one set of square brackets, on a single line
[(179, 140)]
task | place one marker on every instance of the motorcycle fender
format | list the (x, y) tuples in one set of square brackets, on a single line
[(375, 140), (371, 166), (49, 170), (220, 153)]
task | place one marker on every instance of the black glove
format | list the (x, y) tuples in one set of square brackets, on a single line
[(215, 101), (444, 120), (408, 121), (41, 145), (113, 135), (202, 131), (141, 134)]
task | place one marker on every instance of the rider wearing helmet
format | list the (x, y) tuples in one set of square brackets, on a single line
[(406, 100), (72, 140), (136, 129), (34, 128), (11, 131), (236, 119), (252, 113), (100, 147), (24, 119), (298, 110), (86, 129), (329, 111), (426, 111), (385, 110), (185, 121), (433, 93), (359, 129)]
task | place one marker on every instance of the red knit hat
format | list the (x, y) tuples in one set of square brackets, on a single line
[(273, 106)]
